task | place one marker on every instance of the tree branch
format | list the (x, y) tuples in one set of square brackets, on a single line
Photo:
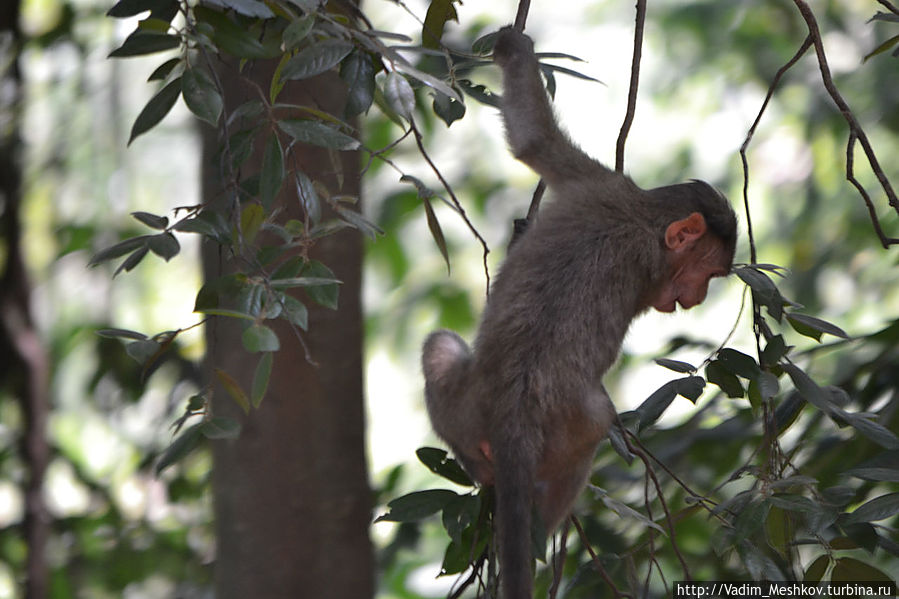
[(855, 128), (635, 82)]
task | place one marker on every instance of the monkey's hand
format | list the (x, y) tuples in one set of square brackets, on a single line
[(511, 46)]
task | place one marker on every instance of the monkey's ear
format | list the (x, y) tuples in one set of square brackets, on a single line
[(682, 234)]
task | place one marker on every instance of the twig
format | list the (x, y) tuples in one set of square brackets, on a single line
[(635, 82), (854, 127), (452, 195), (889, 6), (599, 567), (559, 561)]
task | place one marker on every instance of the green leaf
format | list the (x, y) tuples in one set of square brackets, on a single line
[(295, 311), (358, 72), (309, 199), (810, 390), (229, 36), (260, 338), (765, 384), (272, 175), (675, 365), (774, 350), (439, 13), (316, 59), (180, 447), (317, 133), (143, 351), (132, 261), (260, 378), (439, 462), (163, 70), (416, 506), (459, 514), (140, 43), (156, 109), (400, 95), (151, 220), (815, 572), (872, 430), (725, 379), (121, 334), (814, 327), (303, 282), (201, 95), (878, 508), (220, 427), (250, 8), (884, 46), (436, 231), (690, 387), (297, 31), (234, 390), (325, 295), (656, 404), (849, 569), (251, 219), (130, 8), (875, 473), (739, 363), (764, 291), (164, 245), (448, 109), (357, 221), (120, 249)]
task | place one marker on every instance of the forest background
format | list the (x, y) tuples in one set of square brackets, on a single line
[(129, 466)]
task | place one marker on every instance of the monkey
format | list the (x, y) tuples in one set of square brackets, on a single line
[(525, 409)]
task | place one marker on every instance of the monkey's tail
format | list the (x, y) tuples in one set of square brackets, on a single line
[(515, 475)]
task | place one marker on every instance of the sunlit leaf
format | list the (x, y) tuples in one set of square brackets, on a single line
[(251, 218), (439, 13)]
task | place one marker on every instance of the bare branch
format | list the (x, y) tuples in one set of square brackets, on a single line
[(635, 82), (599, 567), (452, 195), (522, 16), (850, 176), (854, 127), (889, 6)]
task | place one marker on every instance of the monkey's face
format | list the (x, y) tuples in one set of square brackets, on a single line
[(694, 258)]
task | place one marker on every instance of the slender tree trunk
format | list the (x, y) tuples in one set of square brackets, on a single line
[(292, 500), (23, 361)]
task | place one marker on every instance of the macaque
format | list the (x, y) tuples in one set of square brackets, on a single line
[(525, 409)]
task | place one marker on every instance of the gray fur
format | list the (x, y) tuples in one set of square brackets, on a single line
[(556, 316)]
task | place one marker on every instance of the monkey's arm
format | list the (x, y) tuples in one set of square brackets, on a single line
[(534, 135)]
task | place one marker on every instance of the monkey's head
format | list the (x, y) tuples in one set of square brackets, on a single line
[(699, 242)]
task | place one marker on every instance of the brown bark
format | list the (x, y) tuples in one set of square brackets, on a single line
[(292, 500)]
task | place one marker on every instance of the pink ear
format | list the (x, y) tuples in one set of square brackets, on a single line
[(682, 234)]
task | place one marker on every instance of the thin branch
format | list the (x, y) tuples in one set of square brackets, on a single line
[(522, 16), (635, 82), (885, 241), (889, 6), (854, 127), (558, 561), (599, 567), (452, 195)]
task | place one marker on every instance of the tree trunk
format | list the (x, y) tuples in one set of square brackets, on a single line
[(292, 500), (24, 367)]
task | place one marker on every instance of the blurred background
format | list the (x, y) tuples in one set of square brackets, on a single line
[(118, 530)]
